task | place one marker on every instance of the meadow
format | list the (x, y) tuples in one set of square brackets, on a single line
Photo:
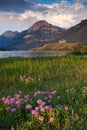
[(43, 93)]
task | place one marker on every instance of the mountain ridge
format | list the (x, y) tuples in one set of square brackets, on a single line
[(41, 33)]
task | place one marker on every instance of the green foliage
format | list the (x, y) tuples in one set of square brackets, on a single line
[(67, 75)]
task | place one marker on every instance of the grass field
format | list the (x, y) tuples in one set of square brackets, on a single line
[(64, 76), (67, 47)]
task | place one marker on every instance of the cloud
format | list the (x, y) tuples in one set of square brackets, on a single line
[(61, 14), (84, 2), (16, 5)]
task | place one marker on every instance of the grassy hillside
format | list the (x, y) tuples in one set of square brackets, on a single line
[(67, 47), (65, 76)]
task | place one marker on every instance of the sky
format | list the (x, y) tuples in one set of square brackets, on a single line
[(21, 14)]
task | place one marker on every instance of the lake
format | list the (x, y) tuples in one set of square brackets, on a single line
[(5, 54)]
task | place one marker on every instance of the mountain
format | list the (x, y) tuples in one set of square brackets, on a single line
[(9, 34), (38, 34), (77, 33), (6, 36), (41, 33)]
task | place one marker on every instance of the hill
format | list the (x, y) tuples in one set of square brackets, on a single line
[(67, 47)]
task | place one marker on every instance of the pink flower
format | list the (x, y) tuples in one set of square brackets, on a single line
[(42, 109), (3, 99), (66, 108), (41, 118), (47, 107), (17, 96), (40, 102), (28, 106), (53, 92), (34, 112), (37, 108), (21, 77), (51, 119)]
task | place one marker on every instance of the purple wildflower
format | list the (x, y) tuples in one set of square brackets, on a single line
[(8, 108), (12, 100), (13, 109), (26, 97), (28, 106), (49, 101), (45, 98), (49, 96)]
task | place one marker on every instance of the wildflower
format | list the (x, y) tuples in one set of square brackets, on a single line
[(21, 77), (28, 106), (41, 118), (49, 101), (8, 97), (45, 98), (42, 109), (18, 102), (34, 112), (8, 108), (47, 107), (26, 97), (51, 120), (6, 101), (40, 102), (13, 109), (53, 92), (37, 108), (49, 96), (17, 96), (66, 108), (3, 98), (12, 100)]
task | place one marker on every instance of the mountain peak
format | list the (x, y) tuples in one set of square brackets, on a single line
[(39, 24), (9, 34)]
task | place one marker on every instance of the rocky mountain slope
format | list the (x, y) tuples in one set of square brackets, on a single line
[(38, 34), (77, 33)]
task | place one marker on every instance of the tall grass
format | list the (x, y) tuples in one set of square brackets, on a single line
[(67, 75), (54, 72)]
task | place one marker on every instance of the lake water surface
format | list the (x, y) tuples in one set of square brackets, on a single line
[(5, 54)]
